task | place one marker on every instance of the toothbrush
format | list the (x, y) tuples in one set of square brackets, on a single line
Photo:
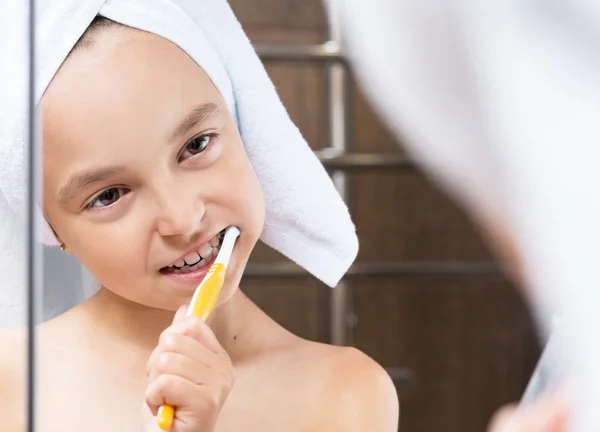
[(203, 302)]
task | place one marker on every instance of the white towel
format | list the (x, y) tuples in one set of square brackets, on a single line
[(306, 219)]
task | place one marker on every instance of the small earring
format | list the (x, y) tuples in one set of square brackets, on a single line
[(62, 247)]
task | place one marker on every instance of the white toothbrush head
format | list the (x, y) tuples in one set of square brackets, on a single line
[(231, 235)]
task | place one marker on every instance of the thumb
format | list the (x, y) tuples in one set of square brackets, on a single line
[(180, 314)]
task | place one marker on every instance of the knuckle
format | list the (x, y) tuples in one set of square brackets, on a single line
[(155, 390), (229, 377), (226, 386), (193, 322), (150, 364), (225, 381), (163, 362), (150, 393), (228, 361), (172, 343), (169, 341), (164, 382), (150, 397), (195, 327), (212, 401)]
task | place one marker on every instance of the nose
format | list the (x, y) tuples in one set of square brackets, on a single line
[(180, 213)]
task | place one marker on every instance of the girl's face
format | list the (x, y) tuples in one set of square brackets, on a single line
[(143, 166)]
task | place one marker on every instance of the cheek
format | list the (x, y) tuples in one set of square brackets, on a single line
[(238, 190), (249, 203), (116, 261)]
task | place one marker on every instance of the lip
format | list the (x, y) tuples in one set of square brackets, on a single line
[(195, 276), (201, 242)]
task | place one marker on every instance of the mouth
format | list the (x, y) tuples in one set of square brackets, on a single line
[(198, 259)]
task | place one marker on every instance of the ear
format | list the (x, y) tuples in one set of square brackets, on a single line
[(63, 246)]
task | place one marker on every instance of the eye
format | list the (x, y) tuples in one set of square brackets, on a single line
[(107, 198), (196, 146)]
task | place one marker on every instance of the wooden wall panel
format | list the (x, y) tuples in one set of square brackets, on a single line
[(402, 217), (469, 342)]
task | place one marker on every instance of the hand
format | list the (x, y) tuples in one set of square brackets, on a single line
[(549, 414), (191, 371)]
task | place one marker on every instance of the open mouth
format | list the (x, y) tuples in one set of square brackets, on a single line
[(197, 260)]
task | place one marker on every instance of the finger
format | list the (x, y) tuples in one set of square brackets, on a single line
[(186, 337), (183, 394), (170, 389), (169, 363), (198, 354), (184, 345), (197, 330), (180, 314)]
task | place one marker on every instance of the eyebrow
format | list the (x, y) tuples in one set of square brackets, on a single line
[(80, 181), (197, 116)]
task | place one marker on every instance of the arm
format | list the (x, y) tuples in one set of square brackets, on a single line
[(12, 382)]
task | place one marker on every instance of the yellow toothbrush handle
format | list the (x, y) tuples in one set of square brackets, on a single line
[(209, 292), (202, 307), (166, 414)]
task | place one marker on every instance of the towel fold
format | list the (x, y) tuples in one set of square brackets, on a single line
[(306, 219)]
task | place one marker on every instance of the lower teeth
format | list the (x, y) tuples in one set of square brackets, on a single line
[(198, 265)]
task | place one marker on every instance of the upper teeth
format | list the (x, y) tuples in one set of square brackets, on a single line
[(192, 258), (205, 251)]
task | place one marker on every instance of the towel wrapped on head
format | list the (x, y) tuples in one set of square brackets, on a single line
[(306, 219)]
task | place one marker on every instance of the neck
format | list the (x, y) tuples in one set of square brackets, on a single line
[(132, 324)]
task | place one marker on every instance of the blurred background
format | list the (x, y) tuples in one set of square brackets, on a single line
[(425, 298)]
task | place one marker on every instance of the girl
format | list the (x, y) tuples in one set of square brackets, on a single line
[(144, 168)]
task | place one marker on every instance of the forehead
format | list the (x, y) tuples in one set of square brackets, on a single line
[(126, 80)]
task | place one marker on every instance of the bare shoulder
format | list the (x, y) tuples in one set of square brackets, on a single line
[(12, 377), (354, 392), (13, 354)]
